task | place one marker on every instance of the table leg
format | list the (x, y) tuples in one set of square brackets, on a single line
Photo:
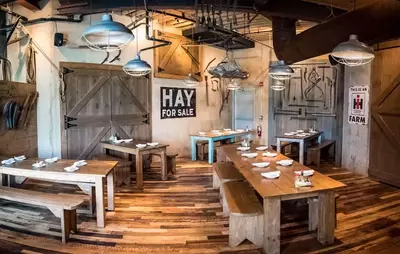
[(139, 170), (272, 225), (110, 190), (3, 179), (100, 210), (210, 151), (232, 140), (319, 139), (278, 145), (326, 222), (301, 152), (164, 166), (193, 144)]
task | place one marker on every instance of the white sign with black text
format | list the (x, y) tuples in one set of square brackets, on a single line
[(177, 102), (358, 104)]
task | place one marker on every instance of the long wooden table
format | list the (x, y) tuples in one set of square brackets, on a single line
[(130, 148), (91, 174), (301, 140), (274, 191), (211, 137)]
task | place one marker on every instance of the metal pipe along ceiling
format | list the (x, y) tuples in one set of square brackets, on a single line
[(373, 23)]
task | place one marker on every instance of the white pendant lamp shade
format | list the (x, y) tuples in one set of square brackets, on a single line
[(107, 35), (353, 52), (137, 67), (277, 85), (234, 85), (280, 71), (190, 81)]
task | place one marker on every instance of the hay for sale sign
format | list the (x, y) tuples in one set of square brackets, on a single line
[(177, 102), (358, 104)]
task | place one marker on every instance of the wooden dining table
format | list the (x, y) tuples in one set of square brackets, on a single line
[(274, 191), (91, 174), (302, 140), (211, 137), (131, 149)]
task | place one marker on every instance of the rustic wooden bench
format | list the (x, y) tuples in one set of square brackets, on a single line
[(225, 172), (122, 171), (245, 214), (285, 145), (171, 162), (314, 152), (62, 206)]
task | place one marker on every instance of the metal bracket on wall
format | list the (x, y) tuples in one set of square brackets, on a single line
[(145, 118), (67, 121)]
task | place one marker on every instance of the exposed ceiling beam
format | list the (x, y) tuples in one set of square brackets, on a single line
[(32, 5), (373, 23)]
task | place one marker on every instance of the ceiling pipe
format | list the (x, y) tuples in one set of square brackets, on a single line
[(373, 23)]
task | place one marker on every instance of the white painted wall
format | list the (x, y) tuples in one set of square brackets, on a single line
[(355, 152), (172, 131)]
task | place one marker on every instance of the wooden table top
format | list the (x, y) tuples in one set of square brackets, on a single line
[(295, 137), (282, 186), (209, 134), (131, 147), (93, 168)]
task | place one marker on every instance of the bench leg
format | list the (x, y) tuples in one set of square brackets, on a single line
[(241, 228), (318, 159), (216, 182), (237, 234), (65, 225), (173, 162), (327, 217), (312, 214), (74, 222)]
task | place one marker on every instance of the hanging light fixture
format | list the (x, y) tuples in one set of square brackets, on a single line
[(190, 81), (277, 85), (137, 67), (280, 71), (353, 52), (107, 35), (234, 85)]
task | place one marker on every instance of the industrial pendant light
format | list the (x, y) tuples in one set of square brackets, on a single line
[(137, 67), (353, 52), (277, 85), (190, 81), (280, 71), (107, 35)]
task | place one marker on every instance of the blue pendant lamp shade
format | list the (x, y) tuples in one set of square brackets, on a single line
[(137, 67), (107, 35)]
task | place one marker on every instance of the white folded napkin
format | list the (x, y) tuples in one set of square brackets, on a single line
[(240, 130), (305, 172), (80, 163), (39, 164), (71, 169), (8, 161), (141, 145), (20, 158), (301, 135), (273, 174), (269, 154), (51, 160), (227, 129), (243, 148), (153, 144), (250, 155), (260, 164), (202, 133), (288, 133), (285, 162), (262, 148)]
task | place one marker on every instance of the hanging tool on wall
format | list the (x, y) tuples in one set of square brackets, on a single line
[(203, 17), (286, 112), (314, 79), (214, 84), (214, 21), (323, 71), (30, 63), (207, 101), (209, 22), (305, 75), (24, 109), (34, 96), (303, 118), (330, 85)]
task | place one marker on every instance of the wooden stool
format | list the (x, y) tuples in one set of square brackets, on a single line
[(171, 163), (122, 171), (246, 220), (314, 152)]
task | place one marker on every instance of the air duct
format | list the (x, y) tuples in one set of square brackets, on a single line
[(373, 23)]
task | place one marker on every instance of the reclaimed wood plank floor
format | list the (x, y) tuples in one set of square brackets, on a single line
[(183, 215)]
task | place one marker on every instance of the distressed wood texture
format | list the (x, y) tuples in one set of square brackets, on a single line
[(22, 140), (183, 215), (325, 103), (385, 112), (102, 100)]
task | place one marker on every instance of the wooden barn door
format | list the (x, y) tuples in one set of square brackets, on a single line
[(385, 123), (101, 100)]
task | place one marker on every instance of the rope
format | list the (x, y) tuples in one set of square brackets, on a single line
[(30, 61)]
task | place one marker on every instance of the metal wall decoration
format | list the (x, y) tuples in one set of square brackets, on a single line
[(177, 60), (177, 102), (358, 104)]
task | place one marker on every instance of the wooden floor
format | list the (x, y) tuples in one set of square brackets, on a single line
[(183, 215)]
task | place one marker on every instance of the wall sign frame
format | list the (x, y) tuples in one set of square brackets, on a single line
[(177, 102), (358, 105)]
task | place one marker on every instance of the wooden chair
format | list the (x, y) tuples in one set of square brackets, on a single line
[(246, 220), (122, 171), (314, 152), (61, 205)]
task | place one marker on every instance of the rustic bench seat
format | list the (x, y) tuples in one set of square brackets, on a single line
[(245, 214), (62, 206), (122, 171), (314, 152), (225, 172)]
